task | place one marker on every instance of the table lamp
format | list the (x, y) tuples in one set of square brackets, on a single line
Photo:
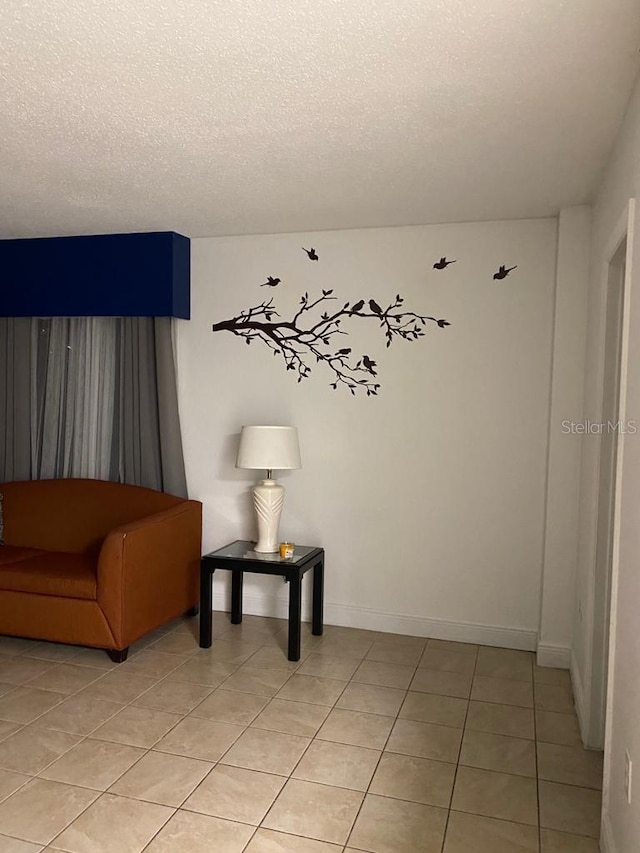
[(268, 448)]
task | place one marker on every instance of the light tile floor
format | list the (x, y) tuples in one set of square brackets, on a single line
[(371, 742)]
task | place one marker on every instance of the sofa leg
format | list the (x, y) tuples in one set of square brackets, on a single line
[(118, 656), (192, 612)]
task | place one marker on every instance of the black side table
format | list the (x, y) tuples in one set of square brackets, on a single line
[(239, 557)]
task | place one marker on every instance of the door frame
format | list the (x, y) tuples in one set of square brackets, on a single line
[(595, 732)]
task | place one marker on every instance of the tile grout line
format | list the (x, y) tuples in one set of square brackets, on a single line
[(87, 737), (455, 774), (384, 746), (84, 737), (219, 761), (288, 777), (146, 752), (535, 743), (312, 740)]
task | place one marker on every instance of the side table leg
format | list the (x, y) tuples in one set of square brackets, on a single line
[(206, 606), (236, 596), (295, 616), (318, 598)]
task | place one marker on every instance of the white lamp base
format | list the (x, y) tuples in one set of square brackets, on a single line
[(268, 498)]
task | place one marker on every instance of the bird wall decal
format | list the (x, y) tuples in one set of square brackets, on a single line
[(503, 272), (442, 264), (369, 364), (305, 337)]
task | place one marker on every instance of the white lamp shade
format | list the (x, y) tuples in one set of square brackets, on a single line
[(269, 447)]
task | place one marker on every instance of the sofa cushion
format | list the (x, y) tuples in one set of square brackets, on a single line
[(50, 573), (11, 554)]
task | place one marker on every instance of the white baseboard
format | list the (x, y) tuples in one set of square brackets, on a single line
[(579, 698), (558, 657), (393, 623), (607, 844)]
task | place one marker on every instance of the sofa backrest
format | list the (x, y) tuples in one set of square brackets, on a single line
[(72, 514)]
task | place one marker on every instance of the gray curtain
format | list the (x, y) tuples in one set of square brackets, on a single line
[(72, 397), (15, 399), (90, 397), (150, 445)]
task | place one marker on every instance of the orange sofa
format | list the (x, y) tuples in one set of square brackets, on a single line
[(96, 563)]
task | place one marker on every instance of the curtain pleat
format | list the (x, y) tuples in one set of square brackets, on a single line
[(173, 471), (73, 389), (139, 426), (15, 398)]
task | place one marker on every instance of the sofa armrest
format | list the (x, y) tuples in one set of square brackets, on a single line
[(148, 571)]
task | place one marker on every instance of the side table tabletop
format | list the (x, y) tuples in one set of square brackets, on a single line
[(239, 557)]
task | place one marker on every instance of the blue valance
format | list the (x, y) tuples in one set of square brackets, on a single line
[(106, 275)]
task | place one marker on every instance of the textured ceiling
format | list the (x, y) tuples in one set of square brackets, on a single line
[(229, 117)]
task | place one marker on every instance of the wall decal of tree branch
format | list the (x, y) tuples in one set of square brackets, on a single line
[(314, 331)]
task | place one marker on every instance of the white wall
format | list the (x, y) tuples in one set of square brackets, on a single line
[(621, 821), (428, 499)]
